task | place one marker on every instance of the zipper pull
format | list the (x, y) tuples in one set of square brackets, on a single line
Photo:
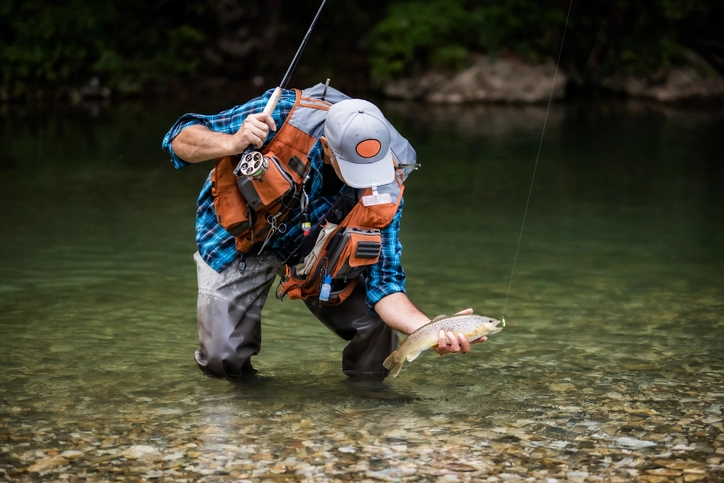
[(306, 226), (303, 203), (242, 263)]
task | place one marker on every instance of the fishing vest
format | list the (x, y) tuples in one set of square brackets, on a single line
[(346, 241), (249, 209), (342, 245)]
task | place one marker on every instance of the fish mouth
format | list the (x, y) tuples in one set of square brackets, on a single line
[(496, 328)]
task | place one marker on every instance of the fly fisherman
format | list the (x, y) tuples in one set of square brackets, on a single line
[(315, 196)]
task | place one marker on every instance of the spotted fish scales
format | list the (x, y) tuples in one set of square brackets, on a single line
[(473, 327)]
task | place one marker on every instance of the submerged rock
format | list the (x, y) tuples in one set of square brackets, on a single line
[(139, 451), (48, 463), (634, 443)]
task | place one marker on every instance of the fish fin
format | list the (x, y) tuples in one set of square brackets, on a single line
[(439, 317), (393, 363), (413, 355)]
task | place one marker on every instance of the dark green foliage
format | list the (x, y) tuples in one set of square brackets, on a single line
[(604, 38), (126, 46), (123, 44), (631, 37), (418, 35)]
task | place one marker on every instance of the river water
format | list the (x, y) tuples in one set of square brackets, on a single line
[(610, 368)]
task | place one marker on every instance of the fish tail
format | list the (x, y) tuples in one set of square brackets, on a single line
[(394, 363)]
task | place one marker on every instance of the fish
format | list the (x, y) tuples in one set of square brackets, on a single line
[(426, 337)]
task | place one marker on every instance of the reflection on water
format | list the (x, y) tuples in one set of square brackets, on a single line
[(610, 366)]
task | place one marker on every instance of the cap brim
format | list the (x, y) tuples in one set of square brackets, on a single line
[(357, 175)]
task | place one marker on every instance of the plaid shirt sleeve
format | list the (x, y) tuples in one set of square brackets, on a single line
[(227, 122), (387, 276), (215, 245)]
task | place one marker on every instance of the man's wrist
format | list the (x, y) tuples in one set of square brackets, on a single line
[(397, 311), (234, 144)]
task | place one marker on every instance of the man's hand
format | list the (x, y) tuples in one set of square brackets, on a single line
[(254, 130), (449, 343), (399, 313), (197, 143)]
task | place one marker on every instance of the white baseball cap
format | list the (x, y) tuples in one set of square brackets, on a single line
[(358, 135)]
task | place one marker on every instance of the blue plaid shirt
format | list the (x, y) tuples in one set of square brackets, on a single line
[(218, 248)]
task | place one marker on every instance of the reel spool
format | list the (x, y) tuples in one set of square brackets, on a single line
[(253, 165)]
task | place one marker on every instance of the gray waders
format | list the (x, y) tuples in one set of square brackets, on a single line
[(229, 321)]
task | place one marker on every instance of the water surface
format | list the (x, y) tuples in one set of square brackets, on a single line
[(610, 367)]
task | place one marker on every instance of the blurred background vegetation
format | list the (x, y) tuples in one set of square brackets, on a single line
[(70, 48)]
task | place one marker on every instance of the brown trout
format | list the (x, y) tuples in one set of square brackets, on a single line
[(426, 337)]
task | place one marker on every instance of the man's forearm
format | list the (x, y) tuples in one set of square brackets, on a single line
[(397, 311), (197, 143)]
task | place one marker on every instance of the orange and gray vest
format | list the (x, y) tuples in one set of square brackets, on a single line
[(346, 242), (248, 208)]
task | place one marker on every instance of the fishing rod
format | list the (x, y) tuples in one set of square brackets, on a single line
[(272, 103), (252, 162), (537, 158)]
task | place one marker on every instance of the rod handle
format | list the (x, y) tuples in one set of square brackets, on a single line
[(268, 109), (273, 101)]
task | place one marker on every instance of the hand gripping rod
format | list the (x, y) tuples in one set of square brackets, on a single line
[(252, 162)]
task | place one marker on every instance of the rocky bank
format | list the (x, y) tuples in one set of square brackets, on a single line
[(512, 80)]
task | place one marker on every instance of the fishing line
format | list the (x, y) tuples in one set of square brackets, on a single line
[(537, 158)]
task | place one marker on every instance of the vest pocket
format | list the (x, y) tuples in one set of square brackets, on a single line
[(232, 211), (269, 188), (357, 249), (343, 254)]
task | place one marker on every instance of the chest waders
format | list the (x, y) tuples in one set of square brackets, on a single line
[(229, 320), (230, 303)]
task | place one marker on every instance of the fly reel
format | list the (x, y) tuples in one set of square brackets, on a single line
[(253, 165)]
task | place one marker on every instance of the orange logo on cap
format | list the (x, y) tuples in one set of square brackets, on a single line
[(368, 148)]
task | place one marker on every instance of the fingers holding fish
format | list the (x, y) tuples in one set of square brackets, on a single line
[(463, 343), (444, 334), (449, 343)]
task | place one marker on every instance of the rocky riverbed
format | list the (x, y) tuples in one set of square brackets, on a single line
[(640, 425)]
